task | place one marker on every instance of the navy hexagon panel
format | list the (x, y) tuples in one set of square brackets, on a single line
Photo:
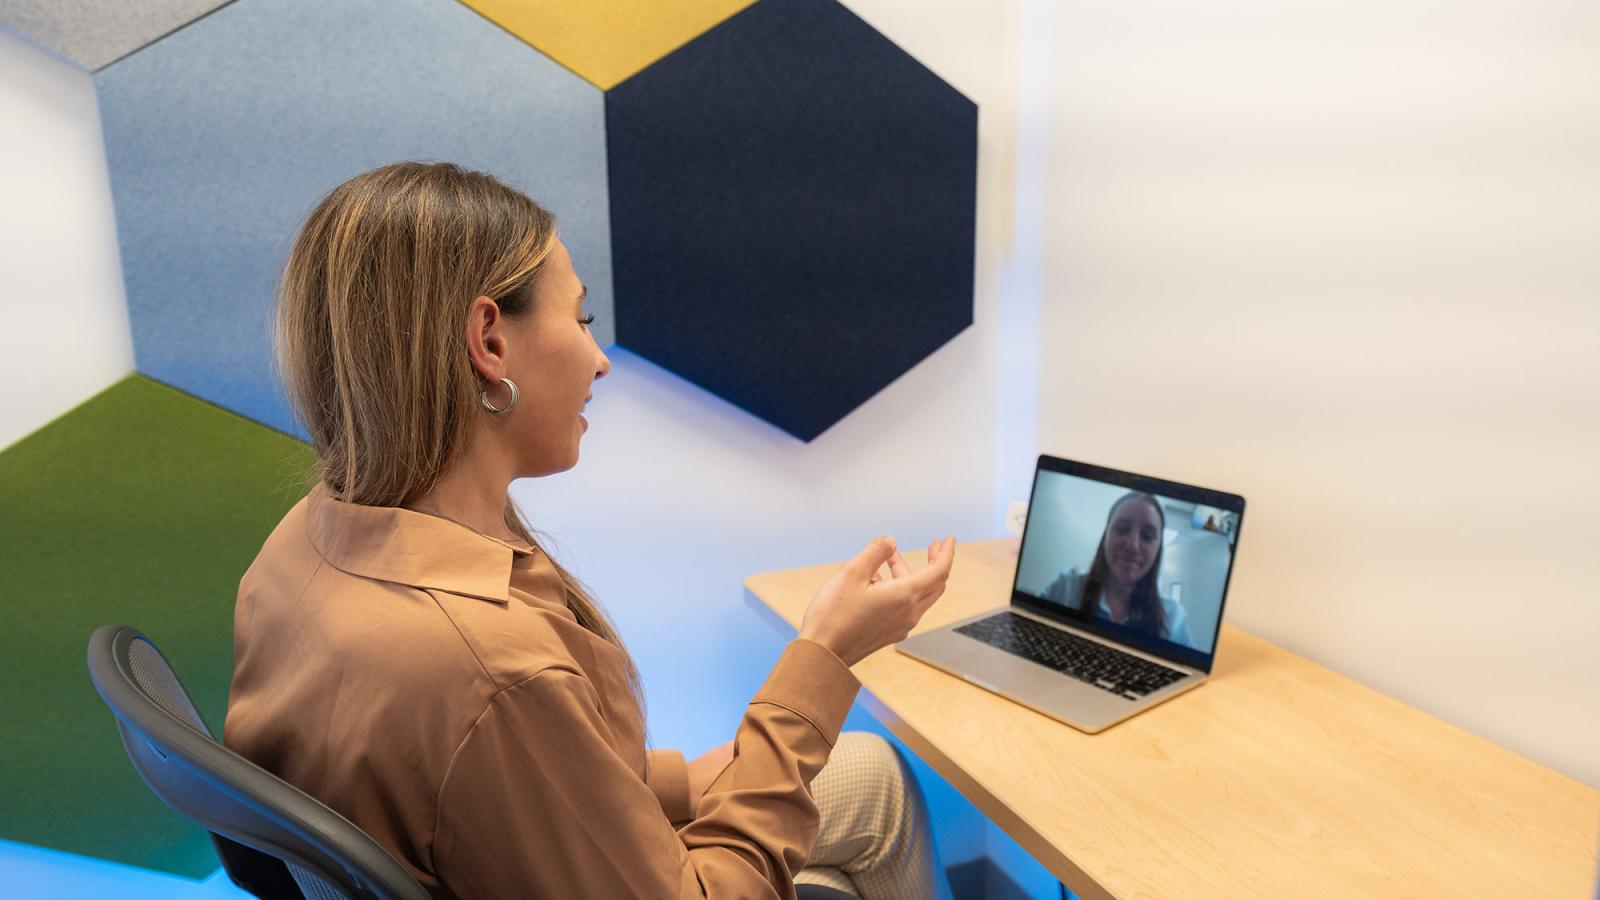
[(793, 203)]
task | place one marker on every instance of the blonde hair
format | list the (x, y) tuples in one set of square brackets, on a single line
[(370, 333)]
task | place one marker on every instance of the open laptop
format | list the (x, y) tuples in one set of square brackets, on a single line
[(1116, 601)]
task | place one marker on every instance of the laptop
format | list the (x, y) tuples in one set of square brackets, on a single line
[(1116, 600)]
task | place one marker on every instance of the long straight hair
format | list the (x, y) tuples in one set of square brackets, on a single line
[(370, 334), (1145, 612)]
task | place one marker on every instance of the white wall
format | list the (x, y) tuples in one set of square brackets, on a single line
[(64, 333), (1341, 257)]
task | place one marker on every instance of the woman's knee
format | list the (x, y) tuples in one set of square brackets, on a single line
[(874, 759), (886, 794)]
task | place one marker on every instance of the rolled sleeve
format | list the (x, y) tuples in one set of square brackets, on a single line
[(813, 683), (669, 780)]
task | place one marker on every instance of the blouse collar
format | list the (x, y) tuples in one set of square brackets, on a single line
[(390, 543)]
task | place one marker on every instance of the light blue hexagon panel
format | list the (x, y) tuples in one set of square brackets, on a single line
[(222, 137)]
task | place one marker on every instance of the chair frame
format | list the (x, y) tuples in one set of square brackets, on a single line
[(307, 830)]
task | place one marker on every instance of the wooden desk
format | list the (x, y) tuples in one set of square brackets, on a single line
[(1279, 778)]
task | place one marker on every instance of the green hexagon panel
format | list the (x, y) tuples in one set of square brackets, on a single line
[(142, 506)]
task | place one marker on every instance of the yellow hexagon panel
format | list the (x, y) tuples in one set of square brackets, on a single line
[(606, 41)]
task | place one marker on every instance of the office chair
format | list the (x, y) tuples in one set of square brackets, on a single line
[(274, 840)]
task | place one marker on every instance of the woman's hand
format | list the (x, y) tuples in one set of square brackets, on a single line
[(703, 770), (858, 611)]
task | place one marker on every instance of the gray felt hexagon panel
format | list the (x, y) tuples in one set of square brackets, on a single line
[(97, 33)]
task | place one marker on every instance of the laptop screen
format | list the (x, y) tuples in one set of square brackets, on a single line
[(1142, 560)]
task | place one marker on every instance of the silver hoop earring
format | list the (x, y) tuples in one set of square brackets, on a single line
[(484, 398)]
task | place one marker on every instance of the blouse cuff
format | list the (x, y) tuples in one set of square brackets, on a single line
[(810, 681), (669, 780)]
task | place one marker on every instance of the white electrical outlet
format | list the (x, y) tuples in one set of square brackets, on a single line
[(1016, 517)]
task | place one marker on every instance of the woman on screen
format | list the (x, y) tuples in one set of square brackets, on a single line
[(406, 651), (1122, 580)]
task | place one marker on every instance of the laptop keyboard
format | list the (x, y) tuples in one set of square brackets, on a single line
[(1090, 661)]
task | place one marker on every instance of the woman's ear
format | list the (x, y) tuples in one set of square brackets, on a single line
[(486, 342)]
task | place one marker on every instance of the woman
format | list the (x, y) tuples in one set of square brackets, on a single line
[(405, 651), (1122, 578)]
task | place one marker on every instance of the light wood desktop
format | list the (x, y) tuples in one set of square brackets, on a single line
[(1278, 778)]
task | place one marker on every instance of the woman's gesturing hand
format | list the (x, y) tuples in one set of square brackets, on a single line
[(858, 611)]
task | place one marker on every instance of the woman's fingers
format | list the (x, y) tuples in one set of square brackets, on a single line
[(934, 575), (940, 554), (922, 587), (864, 565)]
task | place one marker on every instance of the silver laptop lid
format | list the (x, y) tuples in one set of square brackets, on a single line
[(1141, 561)]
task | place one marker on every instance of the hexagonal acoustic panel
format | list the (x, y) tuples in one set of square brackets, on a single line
[(793, 209), (605, 42), (96, 33), (142, 506), (222, 137)]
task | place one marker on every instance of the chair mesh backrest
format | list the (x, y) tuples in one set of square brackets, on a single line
[(314, 886), (153, 676)]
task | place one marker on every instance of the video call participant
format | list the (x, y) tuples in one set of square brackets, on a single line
[(1121, 581)]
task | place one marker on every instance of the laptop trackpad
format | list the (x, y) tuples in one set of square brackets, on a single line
[(1003, 670)]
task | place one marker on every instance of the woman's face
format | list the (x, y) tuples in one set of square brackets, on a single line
[(556, 362), (1133, 539)]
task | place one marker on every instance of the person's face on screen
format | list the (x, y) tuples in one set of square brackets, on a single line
[(1133, 540), (556, 367)]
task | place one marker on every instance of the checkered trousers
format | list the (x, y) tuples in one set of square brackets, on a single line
[(874, 841)]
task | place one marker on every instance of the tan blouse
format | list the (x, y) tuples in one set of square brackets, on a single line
[(431, 685)]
